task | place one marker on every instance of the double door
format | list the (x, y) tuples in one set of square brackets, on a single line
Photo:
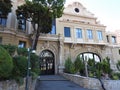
[(46, 65)]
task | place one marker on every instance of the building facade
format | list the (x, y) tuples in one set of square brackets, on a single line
[(76, 33), (117, 33)]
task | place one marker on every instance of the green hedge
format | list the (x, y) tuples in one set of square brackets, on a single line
[(6, 64), (10, 48), (22, 51), (34, 60), (20, 66)]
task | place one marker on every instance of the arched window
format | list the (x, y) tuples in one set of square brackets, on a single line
[(90, 55), (3, 19), (21, 23), (46, 53)]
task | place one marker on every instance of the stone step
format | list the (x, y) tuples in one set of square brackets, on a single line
[(51, 78)]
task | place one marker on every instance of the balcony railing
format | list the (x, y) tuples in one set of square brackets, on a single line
[(12, 30), (83, 41), (48, 37)]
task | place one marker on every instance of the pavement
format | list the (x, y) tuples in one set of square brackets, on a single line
[(56, 82)]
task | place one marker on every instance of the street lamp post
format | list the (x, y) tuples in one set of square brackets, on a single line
[(28, 68)]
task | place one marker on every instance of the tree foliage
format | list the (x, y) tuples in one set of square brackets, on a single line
[(5, 8), (40, 13)]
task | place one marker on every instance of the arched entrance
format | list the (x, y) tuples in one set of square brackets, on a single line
[(47, 66)]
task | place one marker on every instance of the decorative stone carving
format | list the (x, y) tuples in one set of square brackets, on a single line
[(81, 10), (46, 44), (73, 45)]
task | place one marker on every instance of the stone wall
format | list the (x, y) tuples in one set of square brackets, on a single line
[(92, 83), (12, 85), (112, 84)]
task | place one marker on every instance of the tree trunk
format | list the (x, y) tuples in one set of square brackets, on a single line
[(35, 36), (34, 41)]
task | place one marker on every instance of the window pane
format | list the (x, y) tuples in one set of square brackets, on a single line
[(107, 38), (0, 40), (46, 53), (78, 33), (90, 55), (119, 51), (89, 34), (67, 31), (96, 58), (3, 21), (22, 44), (21, 23), (113, 39), (99, 33), (53, 31)]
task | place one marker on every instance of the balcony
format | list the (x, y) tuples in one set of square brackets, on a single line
[(49, 37), (12, 31), (83, 41)]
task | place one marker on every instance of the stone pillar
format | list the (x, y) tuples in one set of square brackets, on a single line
[(61, 53)]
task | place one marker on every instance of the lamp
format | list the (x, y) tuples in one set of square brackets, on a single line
[(28, 68)]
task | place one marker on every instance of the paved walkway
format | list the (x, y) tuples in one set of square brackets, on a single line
[(56, 82)]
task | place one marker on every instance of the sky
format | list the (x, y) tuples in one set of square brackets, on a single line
[(107, 11)]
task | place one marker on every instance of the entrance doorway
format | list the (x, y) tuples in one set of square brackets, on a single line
[(47, 66)]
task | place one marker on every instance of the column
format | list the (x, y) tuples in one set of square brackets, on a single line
[(61, 53)]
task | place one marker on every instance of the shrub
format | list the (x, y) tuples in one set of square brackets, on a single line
[(91, 62), (115, 76), (79, 66), (20, 66), (98, 69), (34, 60), (10, 48), (118, 65), (103, 67), (69, 66), (34, 75), (91, 66), (91, 74), (118, 74), (19, 80), (106, 66), (6, 64), (22, 51)]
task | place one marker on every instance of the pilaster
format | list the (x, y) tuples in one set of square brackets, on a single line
[(61, 53)]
